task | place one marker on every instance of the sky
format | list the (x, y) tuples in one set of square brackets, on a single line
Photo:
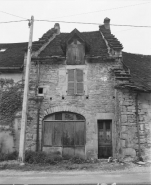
[(121, 12)]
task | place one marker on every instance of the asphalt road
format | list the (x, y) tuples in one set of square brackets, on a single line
[(76, 178)]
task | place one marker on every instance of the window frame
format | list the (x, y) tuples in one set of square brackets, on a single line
[(76, 67)]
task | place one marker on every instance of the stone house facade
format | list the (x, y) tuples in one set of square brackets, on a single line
[(87, 98)]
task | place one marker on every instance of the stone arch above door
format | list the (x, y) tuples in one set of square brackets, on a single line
[(64, 116), (63, 109)]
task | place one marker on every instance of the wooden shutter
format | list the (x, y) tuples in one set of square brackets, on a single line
[(71, 81), (80, 54), (47, 135), (71, 54), (79, 81)]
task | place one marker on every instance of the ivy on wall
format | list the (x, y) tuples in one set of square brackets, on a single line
[(10, 100)]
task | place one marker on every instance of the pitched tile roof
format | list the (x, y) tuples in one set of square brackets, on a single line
[(95, 40), (13, 56), (112, 41), (140, 68), (139, 65)]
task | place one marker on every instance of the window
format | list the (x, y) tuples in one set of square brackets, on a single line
[(40, 91), (75, 82), (75, 53)]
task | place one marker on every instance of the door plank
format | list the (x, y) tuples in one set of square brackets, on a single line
[(57, 134), (47, 138), (68, 134), (79, 133)]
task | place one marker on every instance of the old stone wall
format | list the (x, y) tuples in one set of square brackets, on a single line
[(98, 98), (145, 124), (10, 134), (128, 127)]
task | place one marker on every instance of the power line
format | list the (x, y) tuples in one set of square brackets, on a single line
[(101, 10), (13, 15), (78, 14), (13, 21), (78, 23), (92, 23), (124, 30), (131, 26)]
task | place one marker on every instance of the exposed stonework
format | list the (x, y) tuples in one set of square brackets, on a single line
[(129, 133), (100, 91)]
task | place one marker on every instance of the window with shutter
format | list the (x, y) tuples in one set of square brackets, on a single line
[(75, 53), (79, 81), (75, 82), (71, 80)]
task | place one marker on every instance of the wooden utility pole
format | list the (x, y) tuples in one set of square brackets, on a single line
[(25, 97)]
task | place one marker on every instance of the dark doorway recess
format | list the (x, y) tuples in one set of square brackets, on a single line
[(104, 138)]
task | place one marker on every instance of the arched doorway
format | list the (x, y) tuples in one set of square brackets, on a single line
[(64, 132)]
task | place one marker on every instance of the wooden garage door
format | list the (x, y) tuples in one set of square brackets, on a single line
[(68, 134)]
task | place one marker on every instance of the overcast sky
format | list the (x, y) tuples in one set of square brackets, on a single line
[(121, 12)]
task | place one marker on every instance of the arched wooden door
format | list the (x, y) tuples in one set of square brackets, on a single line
[(67, 131)]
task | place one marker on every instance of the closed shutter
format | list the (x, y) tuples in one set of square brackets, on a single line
[(80, 54), (75, 82), (71, 81), (71, 54), (79, 82)]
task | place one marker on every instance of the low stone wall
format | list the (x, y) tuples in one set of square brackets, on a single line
[(6, 139), (129, 134), (9, 135)]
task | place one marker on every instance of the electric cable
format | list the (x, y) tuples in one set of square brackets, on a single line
[(77, 23), (13, 15), (14, 21), (92, 23), (100, 10)]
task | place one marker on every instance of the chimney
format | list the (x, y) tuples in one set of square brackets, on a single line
[(57, 28), (107, 23)]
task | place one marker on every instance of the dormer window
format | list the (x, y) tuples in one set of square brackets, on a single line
[(75, 52)]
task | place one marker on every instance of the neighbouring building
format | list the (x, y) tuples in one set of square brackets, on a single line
[(86, 98)]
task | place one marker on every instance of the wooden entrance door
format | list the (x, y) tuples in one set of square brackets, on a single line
[(104, 138)]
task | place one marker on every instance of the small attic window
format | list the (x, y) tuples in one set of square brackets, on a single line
[(40, 91), (3, 50)]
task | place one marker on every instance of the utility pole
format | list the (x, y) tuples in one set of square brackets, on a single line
[(25, 96)]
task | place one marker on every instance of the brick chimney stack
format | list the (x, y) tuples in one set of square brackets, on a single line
[(107, 23), (57, 28)]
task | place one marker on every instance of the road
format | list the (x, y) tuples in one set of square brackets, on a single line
[(75, 178)]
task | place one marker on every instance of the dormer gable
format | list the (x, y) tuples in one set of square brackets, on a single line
[(75, 48)]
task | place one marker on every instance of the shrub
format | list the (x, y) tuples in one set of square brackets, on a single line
[(9, 156), (77, 160), (41, 158)]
